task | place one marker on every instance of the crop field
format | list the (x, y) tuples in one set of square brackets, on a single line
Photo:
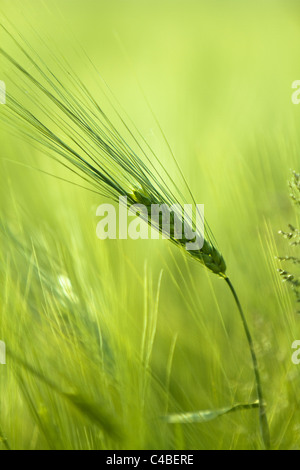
[(131, 341)]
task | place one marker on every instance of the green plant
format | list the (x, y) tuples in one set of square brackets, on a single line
[(79, 134), (293, 236)]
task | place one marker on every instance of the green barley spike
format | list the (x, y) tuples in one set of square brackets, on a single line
[(78, 134)]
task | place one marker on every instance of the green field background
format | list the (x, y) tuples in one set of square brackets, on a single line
[(104, 338)]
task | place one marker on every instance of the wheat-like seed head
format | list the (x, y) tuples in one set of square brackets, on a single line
[(77, 133), (208, 255)]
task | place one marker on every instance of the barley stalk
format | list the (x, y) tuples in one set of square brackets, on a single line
[(263, 420), (95, 151)]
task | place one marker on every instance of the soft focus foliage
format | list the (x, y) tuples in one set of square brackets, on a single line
[(105, 337)]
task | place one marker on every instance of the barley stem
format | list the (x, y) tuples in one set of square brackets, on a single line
[(263, 420)]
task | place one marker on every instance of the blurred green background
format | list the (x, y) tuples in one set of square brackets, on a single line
[(98, 349)]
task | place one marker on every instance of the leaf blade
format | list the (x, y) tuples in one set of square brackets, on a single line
[(204, 416)]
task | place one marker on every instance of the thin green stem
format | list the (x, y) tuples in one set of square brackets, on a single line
[(263, 420)]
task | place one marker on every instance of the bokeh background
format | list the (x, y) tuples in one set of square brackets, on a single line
[(105, 338)]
